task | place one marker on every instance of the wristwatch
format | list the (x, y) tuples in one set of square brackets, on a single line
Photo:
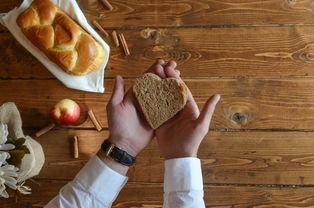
[(117, 154)]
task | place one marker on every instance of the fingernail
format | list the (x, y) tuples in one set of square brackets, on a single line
[(160, 61), (217, 98), (174, 63), (118, 78)]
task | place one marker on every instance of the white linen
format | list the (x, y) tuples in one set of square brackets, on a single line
[(93, 82), (183, 183), (96, 185)]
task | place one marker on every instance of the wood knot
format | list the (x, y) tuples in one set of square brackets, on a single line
[(240, 118), (307, 56), (150, 34), (291, 2), (268, 195)]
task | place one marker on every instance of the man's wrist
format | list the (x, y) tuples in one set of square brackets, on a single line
[(114, 165), (179, 155), (113, 162), (123, 144)]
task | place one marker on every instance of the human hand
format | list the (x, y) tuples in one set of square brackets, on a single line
[(127, 125), (182, 135)]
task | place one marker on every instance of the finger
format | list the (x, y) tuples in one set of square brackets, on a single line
[(152, 67), (170, 69), (157, 68), (118, 91), (160, 61), (178, 72), (171, 64), (208, 110)]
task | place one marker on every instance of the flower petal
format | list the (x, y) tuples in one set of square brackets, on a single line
[(24, 189), (3, 157), (3, 133), (7, 146), (11, 173), (4, 194), (8, 167), (11, 182)]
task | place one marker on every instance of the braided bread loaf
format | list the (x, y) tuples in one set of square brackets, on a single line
[(60, 38)]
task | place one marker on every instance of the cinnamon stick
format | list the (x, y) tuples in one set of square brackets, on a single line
[(100, 28), (107, 4), (115, 38), (124, 44), (75, 147), (94, 120), (45, 130)]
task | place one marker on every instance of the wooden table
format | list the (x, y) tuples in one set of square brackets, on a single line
[(259, 55)]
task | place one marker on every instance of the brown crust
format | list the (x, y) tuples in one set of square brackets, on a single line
[(65, 42), (184, 90)]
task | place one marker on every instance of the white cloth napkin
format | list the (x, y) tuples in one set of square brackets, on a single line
[(93, 82)]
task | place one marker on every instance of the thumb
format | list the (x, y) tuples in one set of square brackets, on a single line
[(118, 91), (208, 110)]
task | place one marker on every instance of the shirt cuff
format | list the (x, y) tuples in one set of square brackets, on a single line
[(183, 174), (99, 180)]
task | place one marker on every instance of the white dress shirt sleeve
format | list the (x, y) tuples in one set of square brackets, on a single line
[(95, 186), (183, 183)]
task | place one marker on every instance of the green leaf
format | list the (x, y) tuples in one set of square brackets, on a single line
[(19, 152), (19, 142), (16, 157), (10, 141)]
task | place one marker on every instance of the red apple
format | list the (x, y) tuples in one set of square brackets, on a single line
[(66, 112)]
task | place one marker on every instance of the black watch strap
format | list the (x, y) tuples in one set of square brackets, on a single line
[(117, 154)]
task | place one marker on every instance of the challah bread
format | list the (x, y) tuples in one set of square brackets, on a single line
[(159, 99), (61, 38)]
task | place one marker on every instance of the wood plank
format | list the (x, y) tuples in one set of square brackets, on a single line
[(227, 157), (228, 52), (247, 103), (192, 13), (199, 13), (151, 195), (7, 5)]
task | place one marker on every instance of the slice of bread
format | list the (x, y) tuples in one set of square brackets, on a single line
[(159, 99)]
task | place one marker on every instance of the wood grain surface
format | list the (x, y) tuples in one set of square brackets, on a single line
[(150, 195), (169, 13), (247, 103), (227, 157), (223, 52), (257, 54)]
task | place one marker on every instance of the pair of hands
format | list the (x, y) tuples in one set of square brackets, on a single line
[(181, 136)]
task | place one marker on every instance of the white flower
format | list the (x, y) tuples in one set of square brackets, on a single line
[(3, 133), (3, 157), (4, 137), (3, 192), (8, 174), (24, 189)]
